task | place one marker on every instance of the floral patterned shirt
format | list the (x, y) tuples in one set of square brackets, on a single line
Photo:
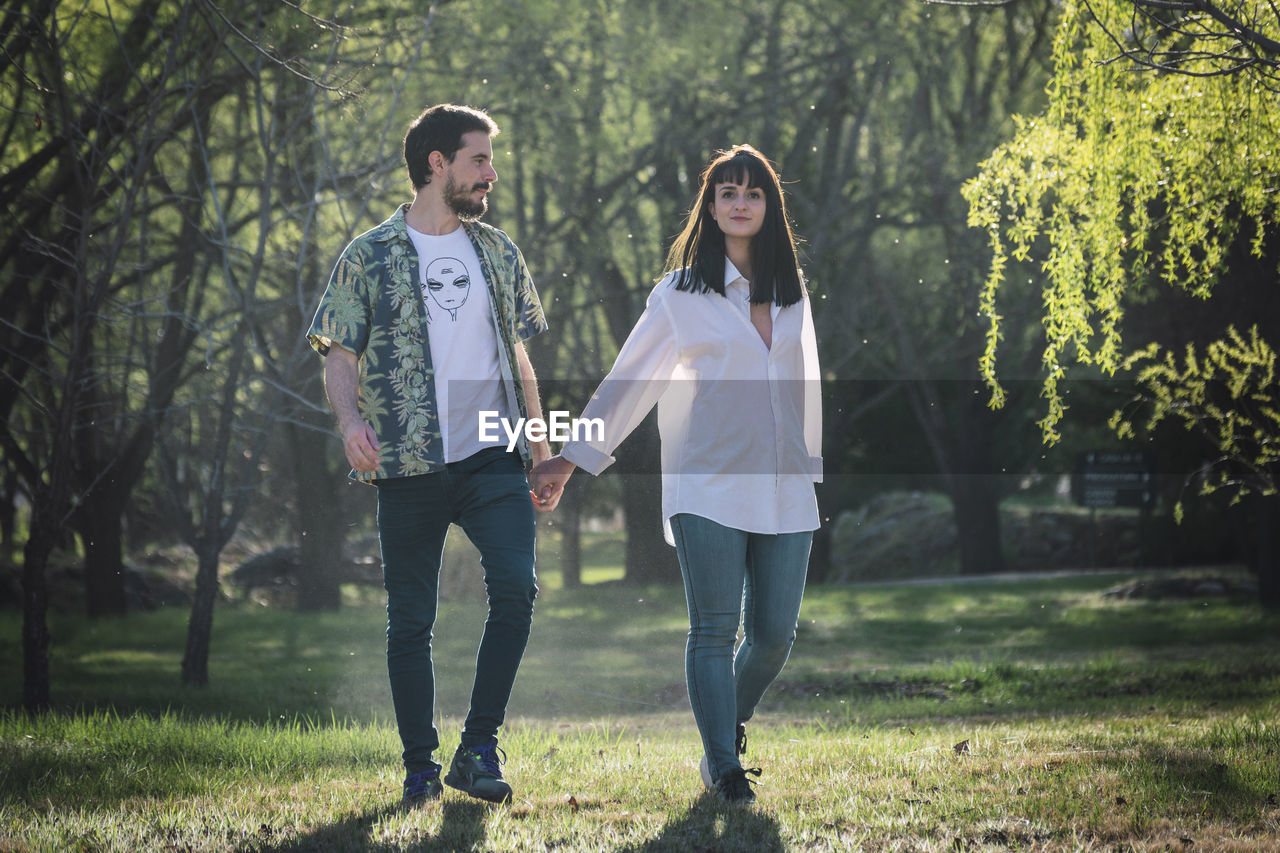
[(373, 308)]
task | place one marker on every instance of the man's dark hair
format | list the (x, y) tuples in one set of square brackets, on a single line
[(440, 128), (697, 255)]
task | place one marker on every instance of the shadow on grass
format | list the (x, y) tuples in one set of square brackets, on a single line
[(461, 828), (1182, 782), (711, 824), (350, 833)]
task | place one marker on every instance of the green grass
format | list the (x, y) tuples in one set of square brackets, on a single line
[(1091, 722)]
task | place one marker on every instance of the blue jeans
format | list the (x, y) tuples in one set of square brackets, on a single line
[(486, 495), (719, 564)]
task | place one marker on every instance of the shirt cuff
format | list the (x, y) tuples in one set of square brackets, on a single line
[(528, 330), (586, 457), (320, 343)]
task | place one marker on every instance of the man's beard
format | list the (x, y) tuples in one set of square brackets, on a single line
[(461, 202)]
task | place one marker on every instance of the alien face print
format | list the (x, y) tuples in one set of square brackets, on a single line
[(447, 284)]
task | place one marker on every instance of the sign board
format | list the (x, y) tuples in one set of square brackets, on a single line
[(1115, 479)]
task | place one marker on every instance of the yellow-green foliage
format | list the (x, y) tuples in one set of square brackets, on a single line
[(1128, 176), (1229, 395)]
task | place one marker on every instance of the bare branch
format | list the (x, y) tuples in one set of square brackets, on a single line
[(993, 4), (1198, 38), (1234, 23), (293, 66)]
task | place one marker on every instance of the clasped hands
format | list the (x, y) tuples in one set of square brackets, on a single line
[(546, 482)]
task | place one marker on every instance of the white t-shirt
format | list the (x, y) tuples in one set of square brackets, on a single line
[(741, 422), (464, 343)]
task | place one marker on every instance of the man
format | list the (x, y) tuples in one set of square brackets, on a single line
[(422, 328)]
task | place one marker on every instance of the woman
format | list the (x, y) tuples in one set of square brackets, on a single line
[(726, 349)]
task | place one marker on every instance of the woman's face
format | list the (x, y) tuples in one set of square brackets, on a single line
[(738, 210)]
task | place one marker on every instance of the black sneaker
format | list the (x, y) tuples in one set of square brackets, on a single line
[(476, 770), (734, 786), (422, 786)]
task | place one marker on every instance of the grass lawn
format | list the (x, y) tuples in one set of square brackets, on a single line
[(1032, 714)]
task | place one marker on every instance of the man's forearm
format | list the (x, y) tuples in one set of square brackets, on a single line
[(540, 450), (341, 386)]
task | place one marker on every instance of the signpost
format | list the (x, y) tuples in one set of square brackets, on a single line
[(1115, 478)]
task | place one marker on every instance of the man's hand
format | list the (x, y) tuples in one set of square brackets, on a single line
[(547, 482), (361, 446)]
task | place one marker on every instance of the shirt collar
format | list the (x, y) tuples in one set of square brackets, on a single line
[(736, 285), (392, 228), (395, 227), (734, 280)]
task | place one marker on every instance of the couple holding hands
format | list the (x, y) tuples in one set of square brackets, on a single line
[(422, 328)]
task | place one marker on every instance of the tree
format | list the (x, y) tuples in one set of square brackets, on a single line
[(258, 208), (122, 252), (1131, 181), (83, 141)]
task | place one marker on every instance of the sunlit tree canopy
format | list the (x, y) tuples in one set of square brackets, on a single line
[(1133, 177)]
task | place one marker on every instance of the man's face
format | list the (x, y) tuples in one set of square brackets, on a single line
[(469, 177)]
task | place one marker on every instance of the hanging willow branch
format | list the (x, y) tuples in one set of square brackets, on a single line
[(1126, 180)]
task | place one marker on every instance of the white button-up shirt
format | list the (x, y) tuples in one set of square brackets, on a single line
[(741, 422)]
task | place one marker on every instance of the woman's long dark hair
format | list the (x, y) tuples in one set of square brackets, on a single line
[(698, 253)]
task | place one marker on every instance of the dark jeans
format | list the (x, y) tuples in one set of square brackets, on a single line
[(486, 495)]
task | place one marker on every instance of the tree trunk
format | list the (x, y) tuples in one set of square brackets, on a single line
[(322, 524), (195, 660), (100, 525), (1266, 549), (8, 522), (975, 500), (820, 555), (649, 559), (35, 607), (570, 523), (967, 465)]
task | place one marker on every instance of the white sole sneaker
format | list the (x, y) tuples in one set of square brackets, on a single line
[(704, 769)]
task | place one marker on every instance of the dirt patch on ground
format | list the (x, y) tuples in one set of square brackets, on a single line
[(1185, 586)]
